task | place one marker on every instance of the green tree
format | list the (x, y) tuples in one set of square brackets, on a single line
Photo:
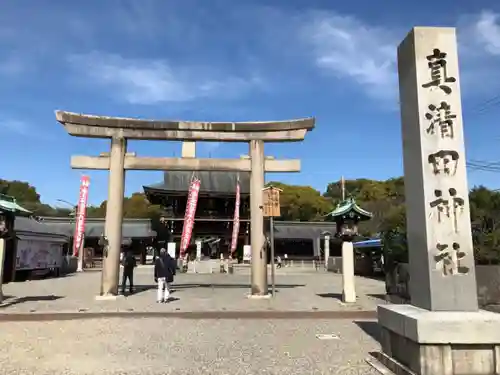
[(485, 218), (97, 211), (302, 203), (22, 191), (137, 206)]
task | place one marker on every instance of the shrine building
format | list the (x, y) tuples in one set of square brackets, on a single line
[(215, 212)]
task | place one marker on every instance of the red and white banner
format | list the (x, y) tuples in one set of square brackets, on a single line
[(187, 229), (81, 214), (236, 220)]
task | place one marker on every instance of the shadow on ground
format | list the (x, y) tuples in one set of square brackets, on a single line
[(92, 270), (192, 315), (181, 287), (11, 301), (21, 279), (377, 296), (493, 308), (371, 328), (337, 296), (377, 277)]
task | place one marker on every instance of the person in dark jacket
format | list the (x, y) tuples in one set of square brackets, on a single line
[(129, 263), (165, 268)]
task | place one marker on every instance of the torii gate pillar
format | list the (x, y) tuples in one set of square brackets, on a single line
[(259, 252), (114, 218)]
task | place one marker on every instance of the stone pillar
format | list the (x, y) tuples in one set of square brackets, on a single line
[(198, 250), (442, 331), (317, 247), (348, 284), (247, 236), (327, 250), (259, 255), (114, 217), (188, 149), (442, 276)]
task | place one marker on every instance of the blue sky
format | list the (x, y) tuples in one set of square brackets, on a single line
[(230, 61)]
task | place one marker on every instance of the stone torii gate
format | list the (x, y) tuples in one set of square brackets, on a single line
[(119, 130)]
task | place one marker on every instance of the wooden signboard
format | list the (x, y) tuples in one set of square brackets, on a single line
[(271, 202)]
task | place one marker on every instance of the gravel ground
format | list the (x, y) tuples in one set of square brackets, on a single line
[(176, 346), (193, 292), (168, 345)]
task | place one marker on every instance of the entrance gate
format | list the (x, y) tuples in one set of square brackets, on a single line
[(119, 130)]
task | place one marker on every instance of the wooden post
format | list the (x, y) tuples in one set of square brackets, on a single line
[(271, 239), (271, 209), (342, 187)]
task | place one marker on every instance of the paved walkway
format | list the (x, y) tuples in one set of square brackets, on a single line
[(204, 292), (147, 342)]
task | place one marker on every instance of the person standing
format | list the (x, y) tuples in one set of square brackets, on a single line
[(165, 268), (129, 263)]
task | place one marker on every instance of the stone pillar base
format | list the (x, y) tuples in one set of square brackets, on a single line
[(259, 296), (109, 297), (422, 342)]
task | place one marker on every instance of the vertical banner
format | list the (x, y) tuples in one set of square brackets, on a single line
[(187, 229), (236, 220), (81, 214)]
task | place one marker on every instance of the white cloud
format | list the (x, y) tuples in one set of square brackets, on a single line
[(479, 52), (346, 47), (22, 128), (146, 81), (349, 48), (487, 32)]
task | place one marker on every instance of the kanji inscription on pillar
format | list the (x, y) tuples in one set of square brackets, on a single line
[(436, 189), (440, 119), (449, 259), (444, 162), (448, 208), (438, 66)]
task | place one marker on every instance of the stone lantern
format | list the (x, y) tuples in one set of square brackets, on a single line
[(347, 216), (347, 226)]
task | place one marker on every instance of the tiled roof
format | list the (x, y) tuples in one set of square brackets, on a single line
[(348, 205), (211, 182), (131, 228), (8, 203)]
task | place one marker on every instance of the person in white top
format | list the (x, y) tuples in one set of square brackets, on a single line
[(165, 269)]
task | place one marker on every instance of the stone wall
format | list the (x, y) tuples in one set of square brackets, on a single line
[(362, 266), (488, 285), (487, 278)]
